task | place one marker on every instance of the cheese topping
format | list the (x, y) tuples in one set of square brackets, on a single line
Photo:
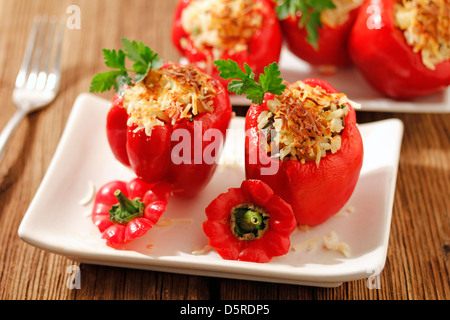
[(331, 242), (304, 123), (339, 15), (221, 24), (426, 27), (169, 95)]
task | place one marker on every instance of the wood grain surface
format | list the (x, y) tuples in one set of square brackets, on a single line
[(417, 265)]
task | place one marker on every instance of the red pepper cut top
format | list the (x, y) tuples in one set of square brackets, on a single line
[(124, 211), (249, 223)]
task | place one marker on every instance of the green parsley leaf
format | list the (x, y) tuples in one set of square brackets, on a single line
[(312, 27), (286, 8), (271, 81), (321, 5), (122, 80), (144, 60), (105, 81), (230, 69), (113, 59), (310, 15), (243, 82)]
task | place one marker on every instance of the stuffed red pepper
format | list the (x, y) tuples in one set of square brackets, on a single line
[(317, 31), (311, 150), (402, 47), (242, 30), (301, 139), (160, 126)]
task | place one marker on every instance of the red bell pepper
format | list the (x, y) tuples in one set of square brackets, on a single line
[(315, 192), (264, 46), (150, 156), (249, 223), (116, 120), (331, 47), (380, 51), (126, 211), (163, 103)]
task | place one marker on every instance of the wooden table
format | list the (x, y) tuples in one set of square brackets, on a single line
[(417, 265)]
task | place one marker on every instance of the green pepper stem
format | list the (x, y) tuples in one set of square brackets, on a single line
[(125, 203), (126, 210), (248, 222)]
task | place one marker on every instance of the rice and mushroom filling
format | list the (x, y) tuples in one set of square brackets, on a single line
[(304, 123), (221, 24), (169, 95), (340, 14), (426, 28)]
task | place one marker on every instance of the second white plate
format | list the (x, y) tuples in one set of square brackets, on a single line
[(350, 82)]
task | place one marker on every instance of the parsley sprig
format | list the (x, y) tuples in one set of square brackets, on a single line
[(244, 81), (144, 60), (310, 15)]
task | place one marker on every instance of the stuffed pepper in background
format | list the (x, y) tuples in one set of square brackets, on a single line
[(157, 125), (402, 48), (302, 140), (241, 30), (317, 31), (249, 223)]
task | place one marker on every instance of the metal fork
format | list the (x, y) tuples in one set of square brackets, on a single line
[(38, 80)]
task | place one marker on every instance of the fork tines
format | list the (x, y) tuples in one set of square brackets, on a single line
[(40, 67)]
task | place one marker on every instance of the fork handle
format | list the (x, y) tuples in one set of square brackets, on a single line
[(9, 130)]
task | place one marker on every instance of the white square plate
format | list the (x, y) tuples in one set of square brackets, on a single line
[(57, 222), (350, 82)]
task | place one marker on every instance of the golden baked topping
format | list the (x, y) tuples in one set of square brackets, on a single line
[(168, 95), (426, 27), (339, 15), (304, 122), (222, 24)]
